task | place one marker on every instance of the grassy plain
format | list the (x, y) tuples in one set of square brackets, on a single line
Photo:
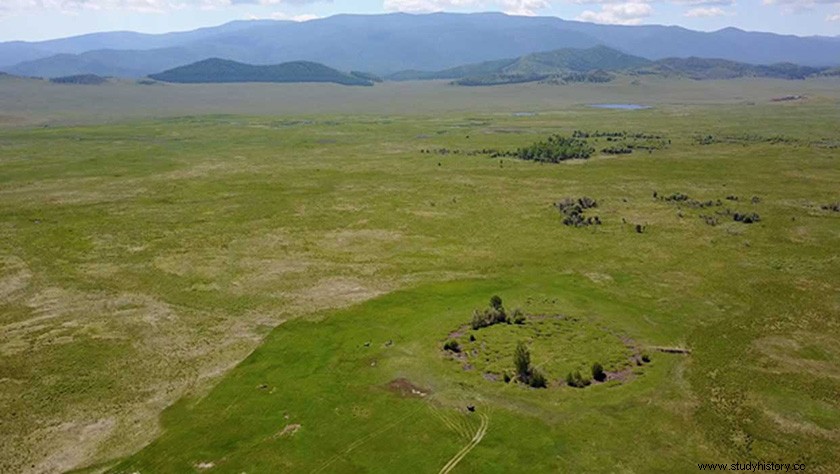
[(141, 260)]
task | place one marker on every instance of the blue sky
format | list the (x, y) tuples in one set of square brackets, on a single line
[(43, 19)]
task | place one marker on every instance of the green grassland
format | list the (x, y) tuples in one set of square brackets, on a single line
[(235, 289)]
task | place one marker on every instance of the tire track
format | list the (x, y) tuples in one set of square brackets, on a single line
[(363, 440), (479, 435)]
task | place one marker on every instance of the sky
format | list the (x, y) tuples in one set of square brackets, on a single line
[(33, 20)]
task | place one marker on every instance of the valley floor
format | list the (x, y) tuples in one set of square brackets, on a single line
[(267, 285)]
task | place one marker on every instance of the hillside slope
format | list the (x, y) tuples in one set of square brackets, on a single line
[(223, 71)]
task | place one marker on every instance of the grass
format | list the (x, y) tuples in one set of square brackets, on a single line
[(142, 260)]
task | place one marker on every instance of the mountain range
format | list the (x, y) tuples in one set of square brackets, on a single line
[(386, 44)]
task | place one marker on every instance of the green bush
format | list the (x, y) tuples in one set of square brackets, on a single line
[(598, 372), (537, 379), (452, 346), (574, 379)]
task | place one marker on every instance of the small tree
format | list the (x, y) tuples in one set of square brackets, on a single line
[(598, 372), (496, 302), (522, 361)]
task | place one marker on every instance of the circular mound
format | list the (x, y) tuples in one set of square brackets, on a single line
[(558, 346)]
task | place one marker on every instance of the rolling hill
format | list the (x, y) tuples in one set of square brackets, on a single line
[(385, 44), (223, 71), (596, 65), (537, 66)]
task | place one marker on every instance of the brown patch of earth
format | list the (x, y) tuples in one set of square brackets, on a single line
[(405, 388)]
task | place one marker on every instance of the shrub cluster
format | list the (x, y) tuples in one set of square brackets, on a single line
[(555, 149), (452, 346), (835, 207), (524, 371), (495, 314), (572, 210), (574, 379), (747, 218)]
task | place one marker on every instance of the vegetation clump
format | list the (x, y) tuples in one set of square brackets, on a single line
[(746, 218), (524, 371), (834, 207), (452, 346), (573, 212), (555, 149), (575, 379), (81, 79), (495, 314)]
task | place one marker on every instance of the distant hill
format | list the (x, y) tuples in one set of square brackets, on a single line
[(82, 79), (534, 67), (700, 68), (385, 44), (599, 64), (222, 71)]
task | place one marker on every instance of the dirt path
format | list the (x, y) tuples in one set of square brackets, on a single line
[(479, 435)]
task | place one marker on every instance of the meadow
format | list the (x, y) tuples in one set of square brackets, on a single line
[(191, 282)]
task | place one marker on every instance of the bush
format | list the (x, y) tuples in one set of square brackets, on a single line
[(452, 346), (574, 379), (488, 317), (747, 218), (495, 314), (517, 317), (537, 379), (598, 372)]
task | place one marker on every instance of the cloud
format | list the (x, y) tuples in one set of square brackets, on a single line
[(511, 7), (705, 12), (284, 16), (835, 17), (143, 6), (618, 14)]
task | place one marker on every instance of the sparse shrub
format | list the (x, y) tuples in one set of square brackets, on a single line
[(573, 209), (518, 317), (506, 377), (452, 346), (747, 218), (834, 207), (537, 379), (574, 379), (495, 314), (640, 229), (598, 372), (645, 357), (472, 338)]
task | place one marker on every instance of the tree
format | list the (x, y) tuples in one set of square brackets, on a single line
[(522, 361), (496, 302)]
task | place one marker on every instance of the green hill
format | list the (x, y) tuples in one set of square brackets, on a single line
[(598, 64), (703, 68), (223, 71), (567, 64)]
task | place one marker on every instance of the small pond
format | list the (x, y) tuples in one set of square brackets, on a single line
[(621, 106)]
